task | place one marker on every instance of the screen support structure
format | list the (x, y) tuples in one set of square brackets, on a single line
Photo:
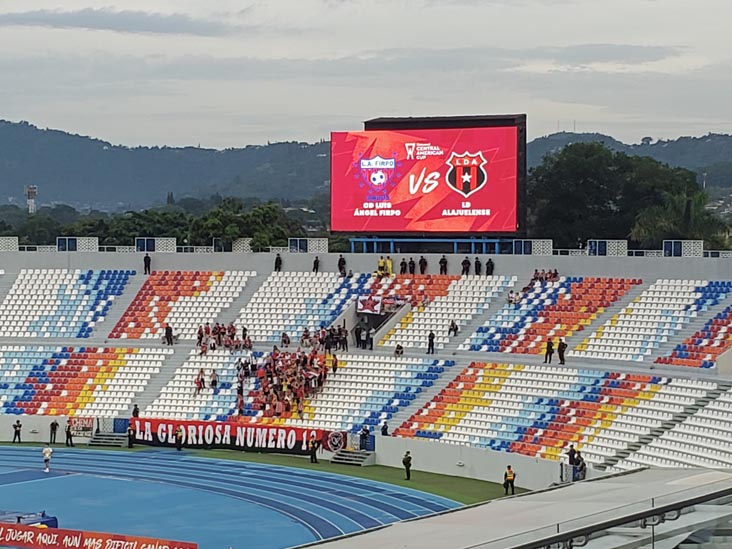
[(484, 246)]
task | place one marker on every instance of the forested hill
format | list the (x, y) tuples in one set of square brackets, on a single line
[(84, 171)]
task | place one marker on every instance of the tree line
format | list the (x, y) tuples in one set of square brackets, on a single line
[(583, 191)]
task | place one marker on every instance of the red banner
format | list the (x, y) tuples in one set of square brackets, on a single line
[(32, 537), (458, 180), (234, 436)]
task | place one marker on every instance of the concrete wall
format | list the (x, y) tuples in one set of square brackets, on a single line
[(438, 457), (522, 266), (35, 429)]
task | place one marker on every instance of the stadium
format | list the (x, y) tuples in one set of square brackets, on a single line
[(453, 383)]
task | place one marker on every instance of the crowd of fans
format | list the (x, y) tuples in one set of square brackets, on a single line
[(286, 379), (222, 336)]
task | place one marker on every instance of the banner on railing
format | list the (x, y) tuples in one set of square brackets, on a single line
[(82, 426), (235, 436), (32, 537)]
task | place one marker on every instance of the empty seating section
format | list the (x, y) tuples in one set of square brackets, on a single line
[(183, 299), (702, 349), (177, 400), (369, 390), (701, 440), (292, 301), (461, 300), (46, 303), (651, 319), (548, 310), (85, 381), (540, 410)]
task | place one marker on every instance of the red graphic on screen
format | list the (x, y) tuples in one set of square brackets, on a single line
[(443, 181)]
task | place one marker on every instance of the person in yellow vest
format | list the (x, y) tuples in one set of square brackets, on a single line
[(389, 266), (508, 478), (381, 265)]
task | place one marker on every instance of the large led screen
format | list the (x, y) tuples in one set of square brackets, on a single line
[(425, 181)]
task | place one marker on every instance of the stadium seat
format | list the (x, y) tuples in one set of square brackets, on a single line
[(60, 303), (540, 410), (654, 317), (183, 299), (292, 301), (547, 310), (69, 381), (436, 300)]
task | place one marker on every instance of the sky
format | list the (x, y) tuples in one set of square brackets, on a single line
[(226, 73)]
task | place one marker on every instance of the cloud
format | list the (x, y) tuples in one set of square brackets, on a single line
[(629, 54), (125, 21)]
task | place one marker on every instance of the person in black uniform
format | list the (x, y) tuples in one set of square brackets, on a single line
[(316, 264), (17, 428), (342, 265), (146, 261), (168, 334), (313, 448), (412, 265), (135, 411), (443, 265), (278, 264), (489, 266), (549, 352), (407, 462), (466, 266), (179, 438), (478, 266), (508, 479), (130, 436), (54, 429), (561, 348), (403, 267), (431, 343), (69, 435), (422, 265), (385, 429)]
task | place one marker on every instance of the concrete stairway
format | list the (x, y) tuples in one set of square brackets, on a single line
[(108, 440), (357, 458), (232, 312), (691, 409), (689, 330), (6, 282), (172, 363)]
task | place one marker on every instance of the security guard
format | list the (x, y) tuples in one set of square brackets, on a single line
[(130, 436), (313, 447), (508, 478), (179, 438)]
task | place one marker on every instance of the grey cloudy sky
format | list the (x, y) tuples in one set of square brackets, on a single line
[(227, 73)]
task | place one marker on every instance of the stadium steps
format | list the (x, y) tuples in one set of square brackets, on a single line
[(355, 458), (692, 327), (613, 309), (170, 365), (108, 440), (100, 337), (232, 313), (655, 434)]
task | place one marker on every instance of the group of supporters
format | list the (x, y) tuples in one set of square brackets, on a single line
[(285, 378), (325, 340), (221, 336)]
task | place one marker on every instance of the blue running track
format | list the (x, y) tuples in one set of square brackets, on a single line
[(216, 503)]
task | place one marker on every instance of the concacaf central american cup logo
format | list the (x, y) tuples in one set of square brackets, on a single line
[(466, 173), (378, 175)]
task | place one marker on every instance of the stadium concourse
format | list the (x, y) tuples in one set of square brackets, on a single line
[(647, 379)]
